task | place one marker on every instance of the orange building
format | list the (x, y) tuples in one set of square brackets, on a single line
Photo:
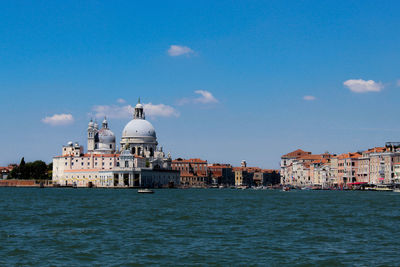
[(193, 172)]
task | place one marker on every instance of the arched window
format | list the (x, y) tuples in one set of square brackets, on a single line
[(133, 150)]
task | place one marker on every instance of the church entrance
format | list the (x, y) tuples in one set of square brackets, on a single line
[(115, 179), (126, 179), (136, 180)]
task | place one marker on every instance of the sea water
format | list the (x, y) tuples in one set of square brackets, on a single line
[(86, 227)]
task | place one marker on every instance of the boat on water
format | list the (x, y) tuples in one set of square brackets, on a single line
[(383, 188), (286, 188), (396, 188), (145, 191)]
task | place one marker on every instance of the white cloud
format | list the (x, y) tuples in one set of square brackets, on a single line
[(398, 83), (160, 110), (309, 97), (121, 100), (362, 86), (59, 119), (178, 50), (205, 97), (126, 111)]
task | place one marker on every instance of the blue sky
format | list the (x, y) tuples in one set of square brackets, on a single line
[(227, 80)]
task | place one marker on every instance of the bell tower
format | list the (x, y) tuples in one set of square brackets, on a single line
[(91, 133)]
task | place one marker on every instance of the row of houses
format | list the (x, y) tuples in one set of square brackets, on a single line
[(378, 165), (198, 173)]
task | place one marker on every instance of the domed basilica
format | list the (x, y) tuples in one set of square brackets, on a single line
[(138, 162)]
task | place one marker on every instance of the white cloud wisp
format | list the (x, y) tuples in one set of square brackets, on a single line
[(58, 119), (205, 97), (309, 98), (362, 86), (178, 50), (125, 112)]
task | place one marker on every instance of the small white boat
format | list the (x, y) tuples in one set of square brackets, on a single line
[(396, 190), (145, 191)]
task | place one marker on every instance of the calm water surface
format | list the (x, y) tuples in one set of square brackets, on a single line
[(66, 227)]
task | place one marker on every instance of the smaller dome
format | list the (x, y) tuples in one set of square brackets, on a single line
[(91, 124), (138, 105), (106, 136)]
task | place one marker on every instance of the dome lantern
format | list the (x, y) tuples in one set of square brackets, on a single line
[(139, 112)]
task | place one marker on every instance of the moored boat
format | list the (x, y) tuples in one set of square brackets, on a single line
[(145, 191), (286, 188), (383, 188)]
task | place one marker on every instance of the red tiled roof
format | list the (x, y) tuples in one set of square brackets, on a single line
[(189, 161), (310, 157), (296, 153)]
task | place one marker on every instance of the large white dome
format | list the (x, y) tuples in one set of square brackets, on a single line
[(139, 128)]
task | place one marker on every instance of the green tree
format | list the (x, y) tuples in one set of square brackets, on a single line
[(50, 170), (38, 170)]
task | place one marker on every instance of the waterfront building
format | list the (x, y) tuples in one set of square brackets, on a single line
[(5, 171), (286, 165), (243, 176), (193, 172), (396, 172), (347, 168), (266, 177), (221, 174), (139, 161), (376, 165), (295, 167)]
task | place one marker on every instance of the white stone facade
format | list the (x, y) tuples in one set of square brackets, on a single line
[(139, 162)]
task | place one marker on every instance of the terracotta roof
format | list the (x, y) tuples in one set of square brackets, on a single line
[(270, 171), (349, 155), (6, 169), (296, 153), (179, 160), (310, 157), (375, 150)]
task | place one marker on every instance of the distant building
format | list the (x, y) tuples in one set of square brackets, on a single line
[(376, 165), (5, 171), (139, 162), (221, 174), (193, 172)]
